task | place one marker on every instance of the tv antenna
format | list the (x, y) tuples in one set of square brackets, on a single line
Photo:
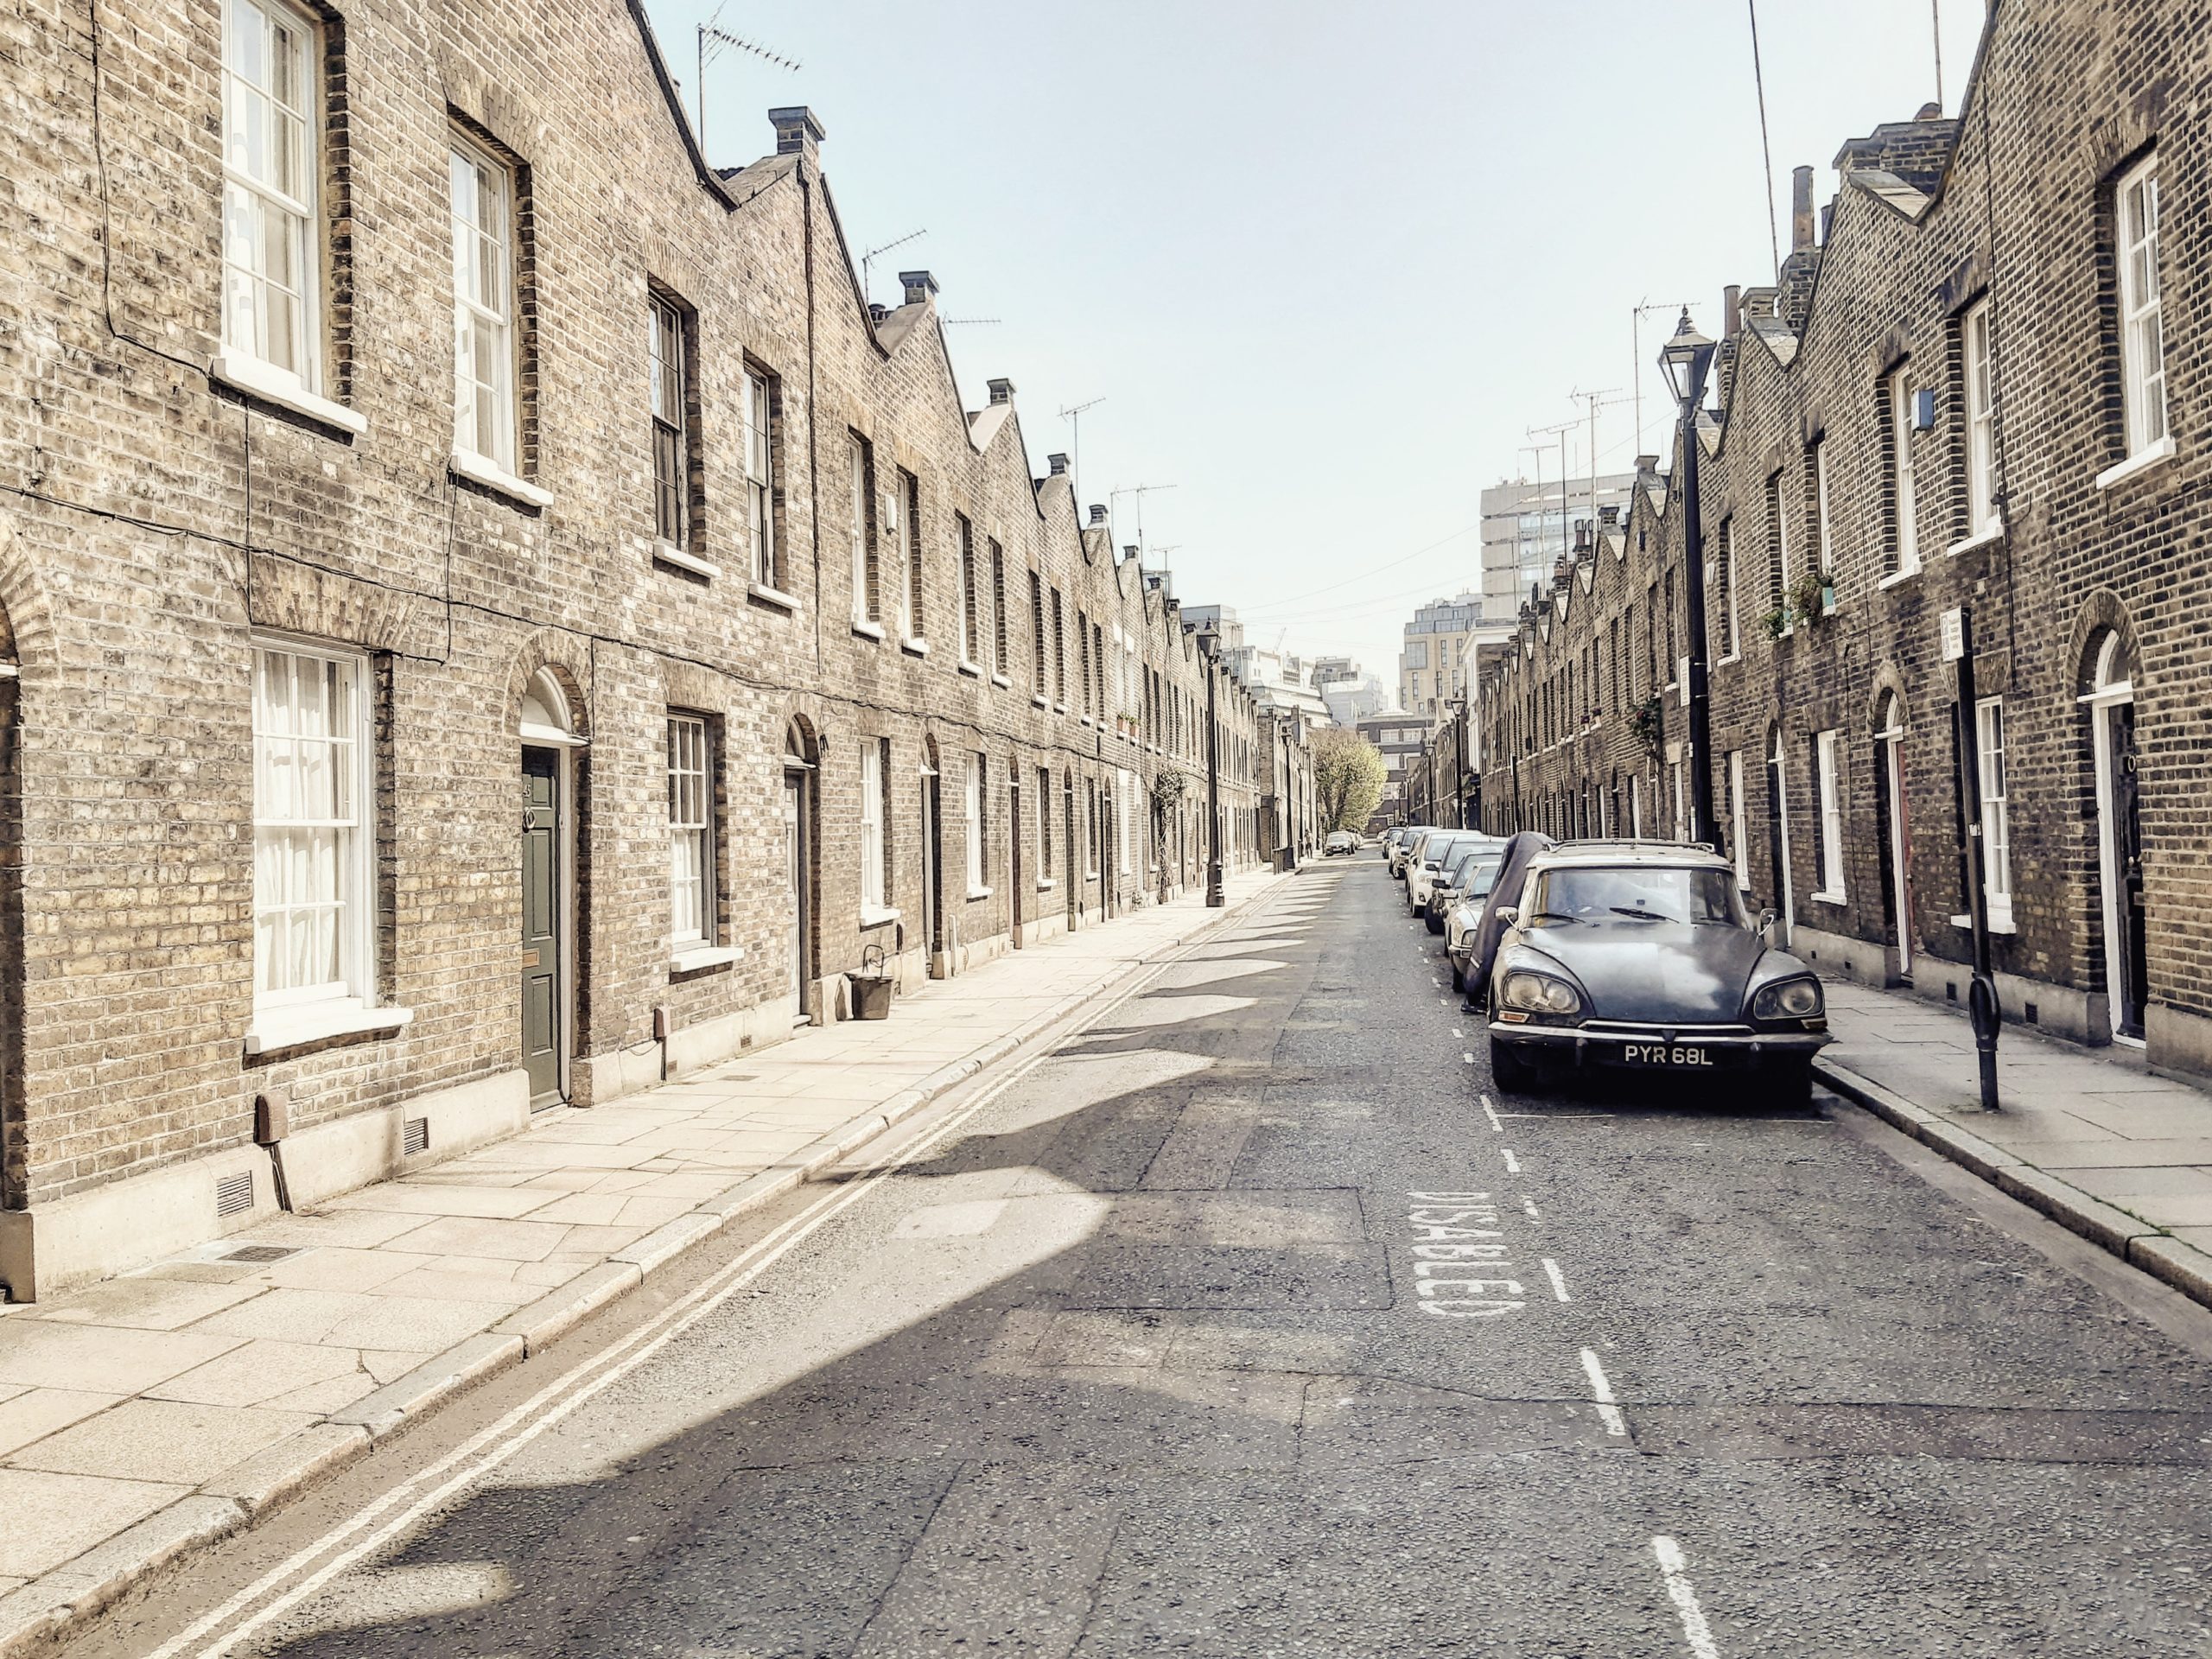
[(1559, 429), (1074, 418), (712, 43), (1140, 491), (1637, 313), (869, 258), (1594, 401), (967, 322)]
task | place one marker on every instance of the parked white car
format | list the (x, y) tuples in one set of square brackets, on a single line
[(1398, 844), (1427, 861)]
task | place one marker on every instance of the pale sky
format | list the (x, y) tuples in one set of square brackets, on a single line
[(1327, 264)]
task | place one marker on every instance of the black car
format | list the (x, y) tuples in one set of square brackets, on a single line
[(1638, 955)]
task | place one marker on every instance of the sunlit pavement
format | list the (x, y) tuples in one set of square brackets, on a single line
[(1254, 1321)]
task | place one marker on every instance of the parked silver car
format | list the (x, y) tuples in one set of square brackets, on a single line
[(1398, 845), (1466, 892), (1427, 862), (1463, 865)]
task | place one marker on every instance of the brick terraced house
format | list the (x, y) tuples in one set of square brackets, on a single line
[(493, 616), (1982, 384)]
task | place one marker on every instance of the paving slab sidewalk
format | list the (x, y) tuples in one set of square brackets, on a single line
[(2091, 1137), (149, 1414)]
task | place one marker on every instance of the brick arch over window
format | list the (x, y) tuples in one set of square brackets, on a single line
[(1887, 683), (2102, 617), (566, 662)]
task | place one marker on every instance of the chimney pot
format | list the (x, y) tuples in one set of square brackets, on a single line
[(1800, 210), (1130, 551), (1001, 391), (1097, 514), (1930, 112), (1057, 463), (797, 133), (1731, 310), (919, 286), (878, 311)]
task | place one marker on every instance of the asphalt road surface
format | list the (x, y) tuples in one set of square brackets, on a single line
[(1251, 1320)]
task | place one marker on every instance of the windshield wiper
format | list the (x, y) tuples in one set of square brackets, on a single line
[(1553, 916), (1640, 915)]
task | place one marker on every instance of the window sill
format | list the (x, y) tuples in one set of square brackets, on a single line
[(1999, 922), (1087, 720), (1897, 577), (2141, 461), (669, 553), (775, 596), (868, 630), (697, 958), (878, 915), (1059, 707), (977, 893), (915, 647), (1001, 682), (314, 1022), (1039, 700), (496, 479), (1981, 539), (1826, 898), (1733, 656), (1046, 884), (973, 670), (272, 386)]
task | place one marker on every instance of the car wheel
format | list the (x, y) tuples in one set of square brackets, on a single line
[(1458, 978), (1435, 922), (1508, 1070), (1788, 1085)]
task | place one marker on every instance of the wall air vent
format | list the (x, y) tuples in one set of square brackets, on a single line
[(414, 1137), (234, 1193)]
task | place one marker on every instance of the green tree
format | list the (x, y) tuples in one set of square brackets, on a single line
[(1348, 778)]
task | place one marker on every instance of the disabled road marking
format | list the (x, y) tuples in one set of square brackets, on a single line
[(1609, 1411), (1559, 1281), (1672, 1569), (1460, 1249), (1491, 1112)]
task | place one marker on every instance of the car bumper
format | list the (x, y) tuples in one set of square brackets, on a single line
[(1656, 1051)]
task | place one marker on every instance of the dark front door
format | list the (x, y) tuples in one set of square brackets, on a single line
[(1071, 871), (2127, 853), (797, 872), (541, 924), (1014, 864), (932, 862)]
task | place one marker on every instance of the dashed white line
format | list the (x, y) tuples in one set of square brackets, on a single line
[(1512, 1164), (1468, 1055), (1528, 1207), (1491, 1112), (1559, 1282), (1695, 1630), (1456, 1031), (1609, 1411)]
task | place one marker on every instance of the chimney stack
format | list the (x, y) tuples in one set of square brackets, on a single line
[(1097, 516), (797, 133), (1001, 391), (920, 286), (877, 310), (1059, 464), (1800, 210), (1130, 551), (1731, 310)]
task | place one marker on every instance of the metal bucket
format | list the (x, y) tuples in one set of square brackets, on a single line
[(872, 987)]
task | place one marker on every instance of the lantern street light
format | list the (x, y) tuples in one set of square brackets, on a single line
[(1685, 357)]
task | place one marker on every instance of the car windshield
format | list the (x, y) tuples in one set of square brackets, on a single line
[(1637, 892), (1473, 875)]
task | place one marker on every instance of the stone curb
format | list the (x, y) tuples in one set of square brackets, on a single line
[(2182, 1267), (37, 1615)]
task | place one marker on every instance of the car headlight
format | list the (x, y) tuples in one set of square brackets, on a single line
[(1788, 999), (1539, 993)]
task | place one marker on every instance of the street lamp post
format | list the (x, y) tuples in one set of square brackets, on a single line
[(1215, 898), (1686, 359)]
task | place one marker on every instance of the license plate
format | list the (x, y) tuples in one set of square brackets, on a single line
[(1686, 1055)]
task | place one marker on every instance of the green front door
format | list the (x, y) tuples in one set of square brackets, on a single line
[(541, 922)]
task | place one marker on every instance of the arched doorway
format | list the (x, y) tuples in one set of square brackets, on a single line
[(1778, 828), (799, 764), (2110, 699), (1896, 824), (549, 742)]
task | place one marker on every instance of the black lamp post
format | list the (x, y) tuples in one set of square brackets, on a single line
[(1215, 898), (1685, 357)]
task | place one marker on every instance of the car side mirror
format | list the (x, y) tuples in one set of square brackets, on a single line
[(1767, 920), (1509, 914)]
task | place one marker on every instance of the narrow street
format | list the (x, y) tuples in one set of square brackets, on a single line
[(1252, 1320)]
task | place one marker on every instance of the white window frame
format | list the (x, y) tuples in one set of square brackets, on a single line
[(2135, 202), (1044, 816), (1781, 550), (1906, 522), (759, 463), (691, 892), (251, 196), (475, 316), (863, 471), (1122, 821), (352, 983), (971, 598), (1830, 785), (1739, 849), (876, 897), (665, 346), (1826, 524), (1982, 519), (1996, 812), (972, 809)]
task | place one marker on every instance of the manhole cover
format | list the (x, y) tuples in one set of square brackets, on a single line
[(260, 1253)]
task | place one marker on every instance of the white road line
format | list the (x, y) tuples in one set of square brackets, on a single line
[(1491, 1112), (1512, 1164), (1556, 1116), (1468, 1055), (1460, 1035), (1695, 1630), (1559, 1284), (490, 1447), (1528, 1206), (1609, 1413)]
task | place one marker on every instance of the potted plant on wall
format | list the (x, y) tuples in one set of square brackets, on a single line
[(1649, 722)]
